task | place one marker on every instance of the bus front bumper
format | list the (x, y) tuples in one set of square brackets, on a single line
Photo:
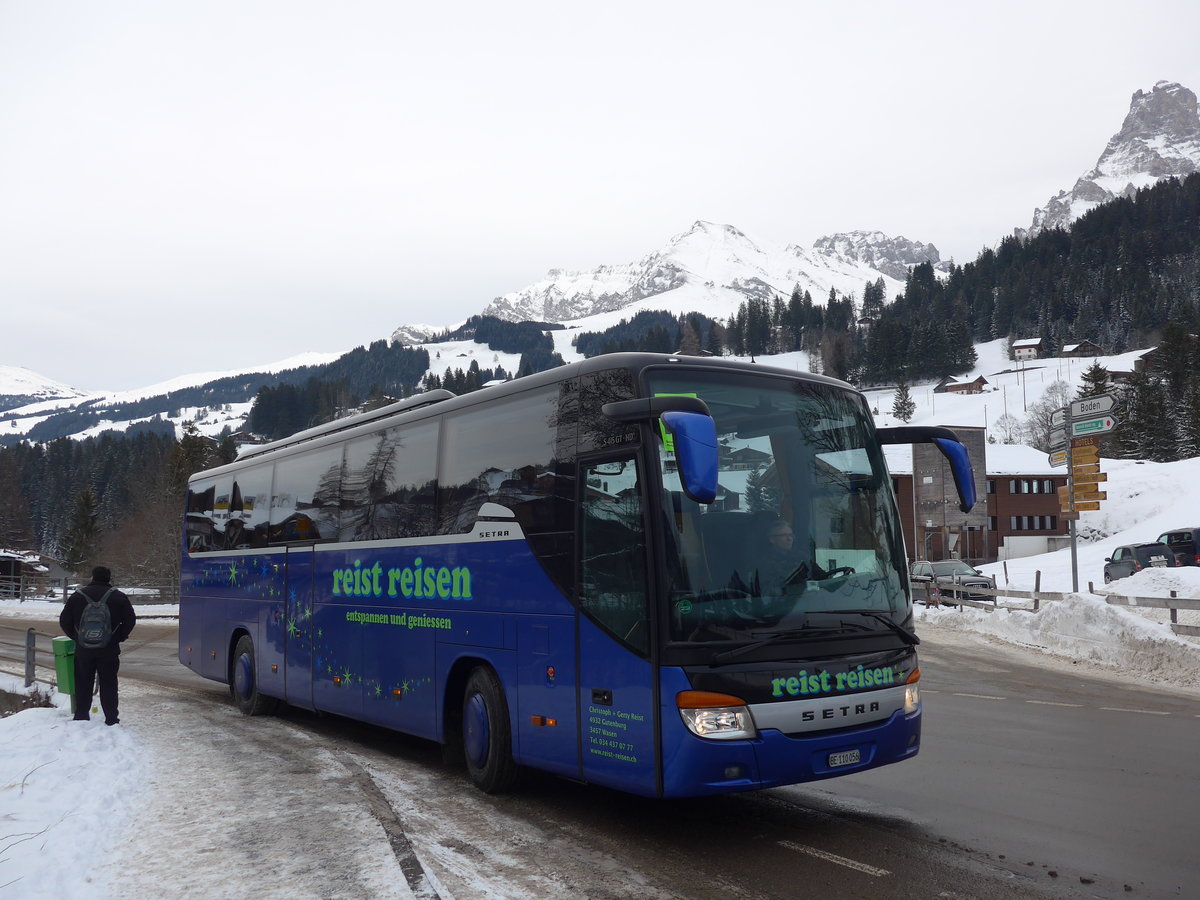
[(694, 766)]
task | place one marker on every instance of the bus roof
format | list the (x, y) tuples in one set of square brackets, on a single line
[(632, 361)]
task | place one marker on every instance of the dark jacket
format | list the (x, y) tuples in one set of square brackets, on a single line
[(119, 609)]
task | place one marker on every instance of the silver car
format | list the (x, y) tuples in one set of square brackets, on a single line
[(954, 577)]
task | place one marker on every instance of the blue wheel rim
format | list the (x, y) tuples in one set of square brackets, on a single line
[(476, 730), (243, 676)]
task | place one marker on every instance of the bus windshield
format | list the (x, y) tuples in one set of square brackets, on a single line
[(804, 525)]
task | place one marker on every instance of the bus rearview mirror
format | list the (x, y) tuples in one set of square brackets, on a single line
[(695, 439)]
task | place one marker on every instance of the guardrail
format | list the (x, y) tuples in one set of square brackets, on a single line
[(1174, 603), (40, 588), (22, 651)]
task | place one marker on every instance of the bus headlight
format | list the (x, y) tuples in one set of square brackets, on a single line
[(912, 692), (720, 717)]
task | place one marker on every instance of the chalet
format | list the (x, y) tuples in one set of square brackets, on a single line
[(1027, 348), (966, 387), (24, 573), (1081, 350), (748, 458)]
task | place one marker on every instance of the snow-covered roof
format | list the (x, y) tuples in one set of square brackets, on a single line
[(1028, 342), (1002, 459)]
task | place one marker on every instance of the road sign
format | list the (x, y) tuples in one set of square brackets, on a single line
[(1088, 496), (1058, 437), (1084, 455), (1091, 441), (1093, 406), (1063, 493), (1101, 425), (1067, 514), (1057, 458), (1087, 506), (1082, 478), (1086, 467), (1058, 418)]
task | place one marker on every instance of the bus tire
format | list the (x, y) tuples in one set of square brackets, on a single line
[(243, 681), (487, 734)]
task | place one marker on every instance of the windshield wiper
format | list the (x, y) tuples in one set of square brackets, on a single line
[(803, 632), (908, 636)]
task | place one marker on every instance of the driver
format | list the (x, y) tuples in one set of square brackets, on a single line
[(779, 564)]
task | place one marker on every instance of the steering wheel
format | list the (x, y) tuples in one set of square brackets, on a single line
[(845, 570), (722, 594)]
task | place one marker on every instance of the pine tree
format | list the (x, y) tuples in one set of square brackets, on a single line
[(16, 524), (903, 407), (1093, 381), (83, 532)]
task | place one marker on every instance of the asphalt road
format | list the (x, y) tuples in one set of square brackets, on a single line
[(1033, 780)]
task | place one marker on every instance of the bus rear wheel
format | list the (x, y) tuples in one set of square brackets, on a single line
[(243, 681), (487, 734)]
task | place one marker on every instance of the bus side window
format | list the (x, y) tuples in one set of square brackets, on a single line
[(500, 454), (613, 553), (305, 499), (388, 484)]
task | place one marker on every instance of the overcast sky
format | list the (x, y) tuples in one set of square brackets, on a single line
[(193, 186)]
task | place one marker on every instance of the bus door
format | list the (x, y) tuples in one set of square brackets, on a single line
[(617, 728), (298, 628)]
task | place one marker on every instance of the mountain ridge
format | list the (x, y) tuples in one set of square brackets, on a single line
[(1159, 137), (719, 257)]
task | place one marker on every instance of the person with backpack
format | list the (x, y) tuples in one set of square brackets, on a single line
[(97, 617)]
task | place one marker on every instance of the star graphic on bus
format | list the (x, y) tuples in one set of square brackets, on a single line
[(235, 573)]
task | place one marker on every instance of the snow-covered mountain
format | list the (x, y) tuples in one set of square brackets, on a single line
[(1159, 138), (20, 387), (712, 268)]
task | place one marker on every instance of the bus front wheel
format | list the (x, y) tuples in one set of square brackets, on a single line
[(243, 681), (486, 733)]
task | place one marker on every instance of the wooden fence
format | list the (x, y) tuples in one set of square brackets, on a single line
[(39, 587), (1035, 597)]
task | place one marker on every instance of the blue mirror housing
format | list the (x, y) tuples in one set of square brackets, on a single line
[(695, 439), (952, 448), (960, 467)]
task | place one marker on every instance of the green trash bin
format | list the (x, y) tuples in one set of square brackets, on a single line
[(64, 667)]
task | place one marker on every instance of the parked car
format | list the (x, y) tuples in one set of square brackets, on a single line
[(1184, 543), (954, 577), (1135, 557)]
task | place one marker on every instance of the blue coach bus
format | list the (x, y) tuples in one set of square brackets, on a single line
[(669, 575)]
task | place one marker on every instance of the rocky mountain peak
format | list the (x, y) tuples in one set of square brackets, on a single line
[(1160, 137), (892, 256), (711, 268)]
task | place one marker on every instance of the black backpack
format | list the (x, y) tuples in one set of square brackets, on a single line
[(95, 625)]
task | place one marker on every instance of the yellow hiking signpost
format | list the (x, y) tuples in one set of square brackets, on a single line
[(1079, 427)]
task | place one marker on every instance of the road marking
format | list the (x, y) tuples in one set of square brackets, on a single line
[(980, 696), (1053, 703), (1144, 712), (833, 858)]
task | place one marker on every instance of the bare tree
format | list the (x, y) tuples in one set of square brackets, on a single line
[(1038, 423), (1007, 429)]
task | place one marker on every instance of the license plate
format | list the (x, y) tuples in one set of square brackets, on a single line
[(847, 758), (1158, 561)]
